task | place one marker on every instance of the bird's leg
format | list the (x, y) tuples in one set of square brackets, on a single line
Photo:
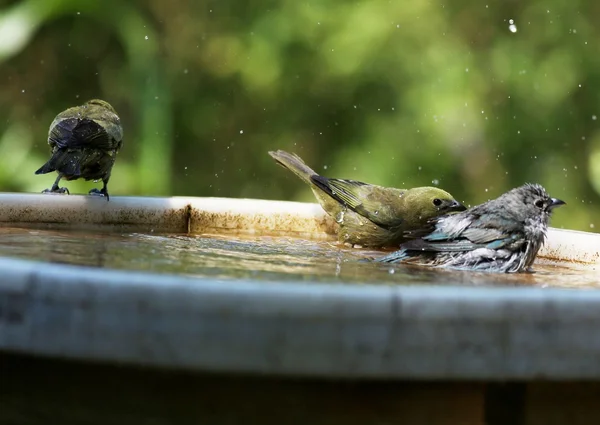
[(55, 188), (101, 192)]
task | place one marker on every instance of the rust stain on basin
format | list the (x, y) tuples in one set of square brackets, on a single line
[(245, 216), (571, 246), (84, 212)]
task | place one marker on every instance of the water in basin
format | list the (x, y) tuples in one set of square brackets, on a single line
[(261, 257)]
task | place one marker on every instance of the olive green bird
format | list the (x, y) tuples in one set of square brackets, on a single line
[(84, 141), (369, 215)]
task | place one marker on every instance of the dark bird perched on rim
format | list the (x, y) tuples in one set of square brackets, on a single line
[(370, 215), (501, 235), (84, 141)]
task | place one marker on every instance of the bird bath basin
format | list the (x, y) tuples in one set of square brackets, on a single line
[(209, 294)]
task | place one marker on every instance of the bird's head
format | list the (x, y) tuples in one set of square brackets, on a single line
[(429, 202), (530, 204), (101, 103)]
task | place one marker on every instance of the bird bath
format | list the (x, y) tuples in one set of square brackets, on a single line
[(253, 301)]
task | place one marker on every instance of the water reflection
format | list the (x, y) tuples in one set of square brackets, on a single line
[(265, 258)]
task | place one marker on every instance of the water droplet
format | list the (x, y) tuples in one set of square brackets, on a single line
[(391, 271), (241, 131), (340, 218), (376, 212), (592, 225), (512, 27), (435, 182), (146, 37), (594, 117)]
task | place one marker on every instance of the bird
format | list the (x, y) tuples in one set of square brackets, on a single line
[(369, 215), (84, 141), (502, 235)]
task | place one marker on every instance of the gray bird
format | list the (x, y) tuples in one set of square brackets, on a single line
[(84, 141), (501, 235)]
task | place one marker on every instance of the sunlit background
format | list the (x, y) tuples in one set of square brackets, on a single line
[(476, 97)]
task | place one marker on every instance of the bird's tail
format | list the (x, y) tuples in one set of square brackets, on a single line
[(294, 163), (394, 257), (46, 168), (68, 163)]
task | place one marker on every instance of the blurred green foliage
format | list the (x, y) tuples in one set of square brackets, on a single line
[(393, 93)]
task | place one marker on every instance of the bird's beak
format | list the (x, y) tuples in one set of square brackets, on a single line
[(555, 203), (457, 206)]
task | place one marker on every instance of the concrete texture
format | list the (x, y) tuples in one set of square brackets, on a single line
[(299, 329)]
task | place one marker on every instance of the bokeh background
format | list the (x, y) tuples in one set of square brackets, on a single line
[(476, 97)]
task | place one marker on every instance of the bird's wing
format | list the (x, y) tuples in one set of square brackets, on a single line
[(354, 195), (484, 235), (114, 129), (79, 133), (417, 247), (109, 121), (61, 132), (460, 232), (447, 245), (343, 191), (448, 227), (89, 133)]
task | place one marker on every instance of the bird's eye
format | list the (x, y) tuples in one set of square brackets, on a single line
[(437, 202), (539, 203)]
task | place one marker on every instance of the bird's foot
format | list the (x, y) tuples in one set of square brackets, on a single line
[(99, 192), (57, 191)]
